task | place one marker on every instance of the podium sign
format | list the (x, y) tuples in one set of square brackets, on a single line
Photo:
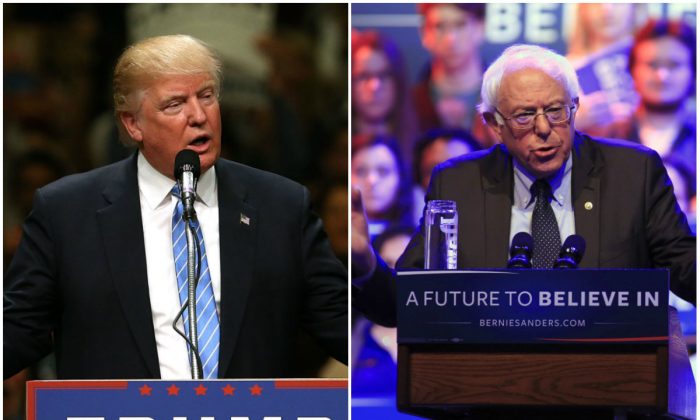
[(188, 400), (532, 306), (540, 343)]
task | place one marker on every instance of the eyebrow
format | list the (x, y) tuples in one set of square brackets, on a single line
[(209, 84)]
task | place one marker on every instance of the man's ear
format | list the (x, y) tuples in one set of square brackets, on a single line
[(132, 126), (490, 119)]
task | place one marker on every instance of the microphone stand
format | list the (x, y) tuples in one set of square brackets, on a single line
[(187, 168), (192, 300)]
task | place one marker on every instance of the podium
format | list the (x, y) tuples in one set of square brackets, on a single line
[(250, 399), (540, 344)]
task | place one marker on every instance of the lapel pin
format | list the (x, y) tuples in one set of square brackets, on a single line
[(588, 205), (245, 219)]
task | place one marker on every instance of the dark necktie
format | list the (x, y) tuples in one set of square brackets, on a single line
[(545, 230)]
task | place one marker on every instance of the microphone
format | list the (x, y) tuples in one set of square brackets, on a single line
[(187, 173), (571, 252), (521, 251)]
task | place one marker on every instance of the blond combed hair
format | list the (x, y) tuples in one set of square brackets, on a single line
[(145, 61)]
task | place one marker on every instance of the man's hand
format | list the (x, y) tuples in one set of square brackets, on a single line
[(363, 258)]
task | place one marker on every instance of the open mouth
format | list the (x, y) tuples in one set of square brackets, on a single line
[(200, 140), (545, 152)]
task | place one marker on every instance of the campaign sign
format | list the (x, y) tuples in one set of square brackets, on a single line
[(532, 306), (300, 399)]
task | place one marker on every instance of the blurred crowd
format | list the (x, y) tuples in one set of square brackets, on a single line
[(283, 103), (638, 81)]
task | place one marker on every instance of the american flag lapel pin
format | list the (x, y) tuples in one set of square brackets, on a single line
[(245, 219)]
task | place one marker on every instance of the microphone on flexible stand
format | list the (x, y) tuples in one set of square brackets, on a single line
[(521, 251), (571, 252), (187, 168)]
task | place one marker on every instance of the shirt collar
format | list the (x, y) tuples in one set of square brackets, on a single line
[(155, 187), (560, 183)]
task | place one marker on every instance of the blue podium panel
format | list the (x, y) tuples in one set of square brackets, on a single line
[(313, 399), (383, 408), (532, 306)]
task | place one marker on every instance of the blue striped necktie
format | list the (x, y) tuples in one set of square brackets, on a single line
[(207, 318)]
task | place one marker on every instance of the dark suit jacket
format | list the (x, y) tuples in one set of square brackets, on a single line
[(634, 222), (78, 282)]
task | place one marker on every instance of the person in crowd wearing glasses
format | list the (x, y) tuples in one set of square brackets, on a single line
[(614, 194)]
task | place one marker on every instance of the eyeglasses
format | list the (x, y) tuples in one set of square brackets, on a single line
[(526, 120)]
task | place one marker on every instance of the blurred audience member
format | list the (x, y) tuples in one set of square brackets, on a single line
[(436, 146), (378, 172), (334, 212), (683, 186), (334, 160), (448, 90), (375, 347), (392, 242), (380, 106), (598, 49), (32, 170), (662, 64)]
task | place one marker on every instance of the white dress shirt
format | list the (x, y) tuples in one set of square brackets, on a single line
[(157, 205)]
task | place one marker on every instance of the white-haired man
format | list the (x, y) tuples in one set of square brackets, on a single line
[(545, 178), (96, 279)]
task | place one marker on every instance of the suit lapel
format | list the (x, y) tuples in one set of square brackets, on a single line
[(497, 184), (121, 228), (237, 227), (585, 196)]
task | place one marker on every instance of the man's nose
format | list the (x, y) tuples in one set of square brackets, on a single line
[(542, 126), (374, 83), (372, 178), (663, 73), (196, 115)]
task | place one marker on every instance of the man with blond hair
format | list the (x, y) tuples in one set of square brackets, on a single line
[(95, 276)]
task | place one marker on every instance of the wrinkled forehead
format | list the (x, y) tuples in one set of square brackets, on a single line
[(530, 86), (526, 72)]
